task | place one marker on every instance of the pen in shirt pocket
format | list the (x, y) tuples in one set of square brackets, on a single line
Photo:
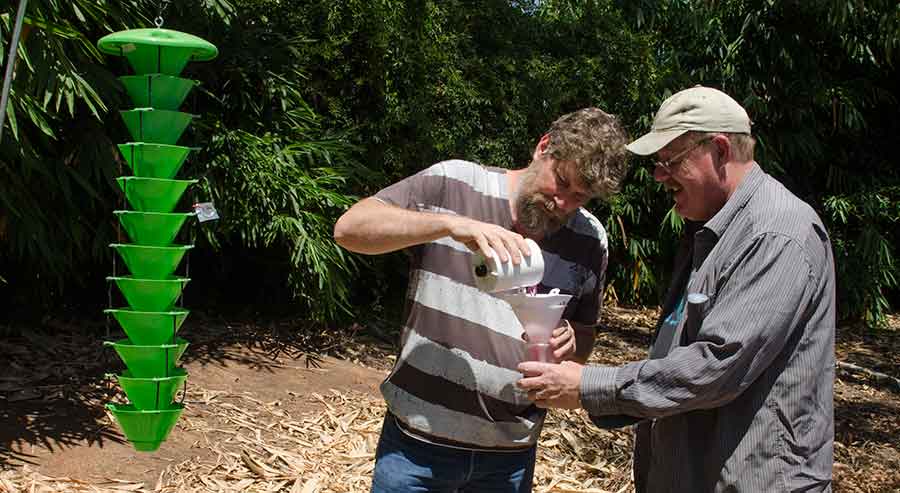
[(697, 304)]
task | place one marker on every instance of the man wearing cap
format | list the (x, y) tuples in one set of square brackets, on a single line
[(736, 394)]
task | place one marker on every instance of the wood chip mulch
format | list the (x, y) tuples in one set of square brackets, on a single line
[(260, 447)]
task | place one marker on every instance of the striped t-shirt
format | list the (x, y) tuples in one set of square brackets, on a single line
[(454, 381)]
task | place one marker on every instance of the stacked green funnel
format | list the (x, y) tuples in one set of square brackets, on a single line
[(152, 288)]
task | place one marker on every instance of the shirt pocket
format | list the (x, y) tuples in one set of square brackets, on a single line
[(697, 305)]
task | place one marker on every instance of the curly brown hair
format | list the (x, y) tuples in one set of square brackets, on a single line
[(595, 141)]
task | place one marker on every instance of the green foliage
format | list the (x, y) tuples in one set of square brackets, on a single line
[(272, 193), (56, 160), (278, 177), (815, 78), (864, 240), (312, 104), (274, 173)]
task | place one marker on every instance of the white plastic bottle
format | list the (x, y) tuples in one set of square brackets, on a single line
[(492, 275)]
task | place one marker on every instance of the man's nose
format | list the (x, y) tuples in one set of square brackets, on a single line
[(660, 173), (564, 204)]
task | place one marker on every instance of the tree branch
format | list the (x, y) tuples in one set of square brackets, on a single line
[(878, 376)]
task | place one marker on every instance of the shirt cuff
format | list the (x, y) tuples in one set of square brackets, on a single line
[(598, 390)]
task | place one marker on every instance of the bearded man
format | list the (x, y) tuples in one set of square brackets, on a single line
[(455, 420)]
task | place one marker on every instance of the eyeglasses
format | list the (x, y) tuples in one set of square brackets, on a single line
[(677, 159)]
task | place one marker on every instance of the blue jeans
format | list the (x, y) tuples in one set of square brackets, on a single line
[(405, 464)]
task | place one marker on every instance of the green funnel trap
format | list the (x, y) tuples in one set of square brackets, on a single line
[(153, 194), (159, 91), (156, 126), (152, 393), (146, 430), (154, 160), (157, 51), (149, 328), (151, 262), (151, 322), (152, 228), (150, 361), (150, 295)]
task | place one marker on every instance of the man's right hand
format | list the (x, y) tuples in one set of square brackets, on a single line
[(483, 237)]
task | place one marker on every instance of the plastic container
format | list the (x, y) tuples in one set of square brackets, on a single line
[(156, 126), (149, 328), (157, 51), (146, 430), (153, 194), (539, 351), (493, 275), (151, 262), (150, 295), (149, 361), (152, 393), (152, 228), (154, 160), (160, 91)]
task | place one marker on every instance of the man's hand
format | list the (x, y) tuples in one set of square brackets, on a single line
[(551, 385), (562, 341), (480, 236)]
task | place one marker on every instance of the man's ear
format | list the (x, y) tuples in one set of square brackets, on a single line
[(723, 149), (542, 146)]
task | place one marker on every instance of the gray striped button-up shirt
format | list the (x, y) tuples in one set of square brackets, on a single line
[(737, 393)]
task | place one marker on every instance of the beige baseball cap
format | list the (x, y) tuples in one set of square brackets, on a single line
[(699, 108)]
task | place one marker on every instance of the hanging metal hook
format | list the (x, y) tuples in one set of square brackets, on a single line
[(163, 5)]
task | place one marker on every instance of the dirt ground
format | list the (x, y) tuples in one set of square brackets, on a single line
[(273, 408)]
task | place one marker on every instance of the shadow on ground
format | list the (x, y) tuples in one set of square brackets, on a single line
[(52, 391), (55, 379)]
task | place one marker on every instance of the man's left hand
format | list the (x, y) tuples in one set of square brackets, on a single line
[(562, 341), (552, 385)]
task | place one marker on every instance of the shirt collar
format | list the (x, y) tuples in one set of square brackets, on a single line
[(708, 235), (720, 222)]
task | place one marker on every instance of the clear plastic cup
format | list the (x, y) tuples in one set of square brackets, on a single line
[(539, 351)]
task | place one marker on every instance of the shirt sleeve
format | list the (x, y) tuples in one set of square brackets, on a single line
[(417, 191), (587, 310), (762, 297)]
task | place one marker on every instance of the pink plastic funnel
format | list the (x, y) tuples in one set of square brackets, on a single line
[(539, 314)]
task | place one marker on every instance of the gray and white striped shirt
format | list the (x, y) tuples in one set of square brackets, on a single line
[(454, 380), (737, 394)]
